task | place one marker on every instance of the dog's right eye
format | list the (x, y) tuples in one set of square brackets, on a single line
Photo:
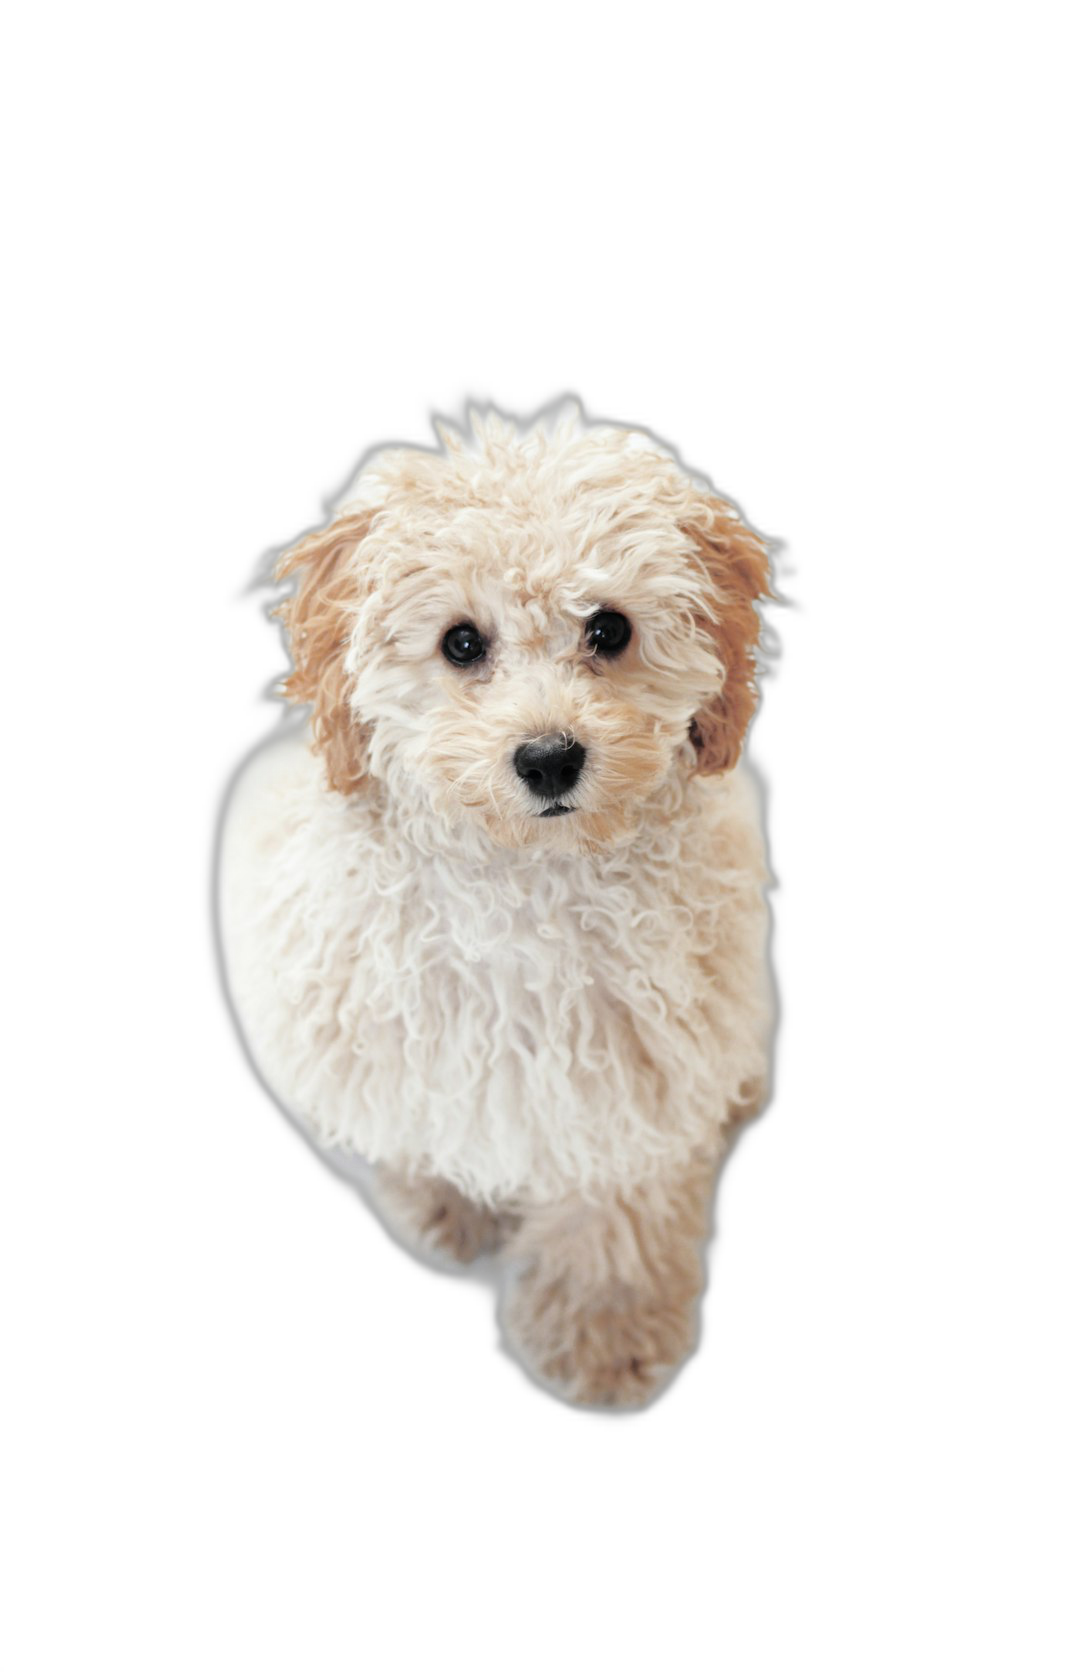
[(463, 644)]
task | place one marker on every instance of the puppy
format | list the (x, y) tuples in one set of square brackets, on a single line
[(495, 921)]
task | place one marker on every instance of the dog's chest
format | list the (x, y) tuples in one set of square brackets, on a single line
[(529, 961), (521, 1023), (523, 1026)]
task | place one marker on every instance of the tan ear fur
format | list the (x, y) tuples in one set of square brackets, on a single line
[(318, 619), (737, 565)]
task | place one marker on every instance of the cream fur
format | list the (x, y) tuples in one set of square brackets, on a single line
[(534, 1011)]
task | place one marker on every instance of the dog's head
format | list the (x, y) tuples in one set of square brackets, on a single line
[(532, 628)]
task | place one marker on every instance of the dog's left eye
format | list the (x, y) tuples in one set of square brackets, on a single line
[(608, 633), (463, 644)]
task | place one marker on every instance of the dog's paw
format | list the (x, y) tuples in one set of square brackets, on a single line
[(435, 1219), (613, 1348), (460, 1230)]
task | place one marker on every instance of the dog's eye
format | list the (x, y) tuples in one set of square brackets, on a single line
[(608, 633), (463, 644)]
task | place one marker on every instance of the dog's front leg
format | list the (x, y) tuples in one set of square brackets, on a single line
[(603, 1306)]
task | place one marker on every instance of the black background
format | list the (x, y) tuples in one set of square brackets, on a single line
[(283, 1308)]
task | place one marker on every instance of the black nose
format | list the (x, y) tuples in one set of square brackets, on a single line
[(550, 765)]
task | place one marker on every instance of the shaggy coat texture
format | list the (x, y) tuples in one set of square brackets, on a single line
[(542, 1030)]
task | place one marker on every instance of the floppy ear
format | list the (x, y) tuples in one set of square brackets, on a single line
[(737, 566), (318, 620)]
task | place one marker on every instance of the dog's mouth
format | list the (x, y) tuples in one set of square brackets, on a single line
[(555, 811)]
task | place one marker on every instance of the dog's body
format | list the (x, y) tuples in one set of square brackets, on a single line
[(541, 1029)]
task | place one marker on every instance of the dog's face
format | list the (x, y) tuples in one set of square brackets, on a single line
[(533, 631)]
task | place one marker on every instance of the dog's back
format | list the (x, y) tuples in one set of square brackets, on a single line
[(263, 811)]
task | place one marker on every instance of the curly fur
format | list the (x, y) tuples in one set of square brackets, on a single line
[(536, 1020)]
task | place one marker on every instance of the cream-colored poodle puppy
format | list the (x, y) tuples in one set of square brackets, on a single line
[(496, 922)]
